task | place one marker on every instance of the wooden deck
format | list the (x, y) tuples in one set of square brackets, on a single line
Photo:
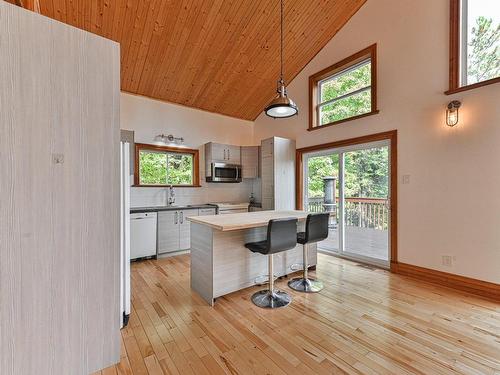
[(364, 322), (367, 242)]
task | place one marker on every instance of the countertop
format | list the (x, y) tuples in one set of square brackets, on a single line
[(170, 208), (245, 220)]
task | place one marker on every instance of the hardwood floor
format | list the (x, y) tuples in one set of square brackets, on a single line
[(365, 321)]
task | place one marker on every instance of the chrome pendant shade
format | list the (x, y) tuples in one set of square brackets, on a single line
[(281, 106)]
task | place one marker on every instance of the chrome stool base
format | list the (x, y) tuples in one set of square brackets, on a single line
[(301, 284), (271, 300)]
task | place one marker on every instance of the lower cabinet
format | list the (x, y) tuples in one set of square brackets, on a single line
[(168, 231), (185, 228), (174, 230)]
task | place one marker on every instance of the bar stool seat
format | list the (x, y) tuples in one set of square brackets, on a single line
[(281, 236), (257, 247), (316, 230)]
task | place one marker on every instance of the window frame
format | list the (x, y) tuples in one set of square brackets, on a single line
[(315, 81), (454, 53), (172, 150)]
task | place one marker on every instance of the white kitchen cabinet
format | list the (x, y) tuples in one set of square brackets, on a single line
[(233, 154), (221, 153), (168, 231), (174, 230), (185, 228), (278, 174), (250, 161)]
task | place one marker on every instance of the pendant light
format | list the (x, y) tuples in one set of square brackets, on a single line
[(281, 106)]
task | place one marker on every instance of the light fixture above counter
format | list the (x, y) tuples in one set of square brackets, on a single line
[(281, 106)]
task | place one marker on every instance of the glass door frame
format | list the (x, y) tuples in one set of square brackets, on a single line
[(341, 150)]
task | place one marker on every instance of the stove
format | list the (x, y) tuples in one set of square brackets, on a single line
[(230, 208)]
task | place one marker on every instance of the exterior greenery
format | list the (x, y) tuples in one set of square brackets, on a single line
[(366, 173), (344, 84), (162, 168), (483, 55)]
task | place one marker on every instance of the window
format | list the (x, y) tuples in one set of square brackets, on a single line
[(474, 44), (344, 91), (163, 166)]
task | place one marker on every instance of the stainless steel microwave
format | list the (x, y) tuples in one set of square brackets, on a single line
[(222, 172)]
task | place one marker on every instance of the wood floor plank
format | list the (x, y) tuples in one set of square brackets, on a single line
[(365, 321)]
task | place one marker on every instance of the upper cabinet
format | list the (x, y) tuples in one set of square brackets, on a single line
[(221, 153), (250, 165), (248, 157)]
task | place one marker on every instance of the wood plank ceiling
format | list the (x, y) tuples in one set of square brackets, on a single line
[(217, 55)]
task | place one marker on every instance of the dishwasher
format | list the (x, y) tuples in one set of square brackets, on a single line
[(143, 235)]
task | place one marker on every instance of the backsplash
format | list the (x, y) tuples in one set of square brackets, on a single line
[(209, 192)]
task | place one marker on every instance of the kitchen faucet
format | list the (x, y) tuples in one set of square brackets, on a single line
[(170, 195)]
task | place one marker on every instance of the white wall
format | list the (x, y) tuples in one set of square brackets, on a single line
[(148, 118), (452, 205)]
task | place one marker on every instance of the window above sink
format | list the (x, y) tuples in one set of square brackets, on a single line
[(161, 166)]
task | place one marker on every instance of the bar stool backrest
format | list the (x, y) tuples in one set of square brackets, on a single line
[(317, 227), (281, 235)]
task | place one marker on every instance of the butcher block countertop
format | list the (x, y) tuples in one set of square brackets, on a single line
[(245, 220)]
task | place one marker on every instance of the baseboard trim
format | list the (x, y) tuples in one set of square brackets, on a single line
[(462, 283)]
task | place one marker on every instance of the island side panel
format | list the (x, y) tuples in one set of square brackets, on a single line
[(201, 261)]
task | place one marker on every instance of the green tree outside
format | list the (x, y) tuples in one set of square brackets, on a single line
[(160, 168), (483, 58)]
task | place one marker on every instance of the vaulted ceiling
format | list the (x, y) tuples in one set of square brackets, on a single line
[(218, 55)]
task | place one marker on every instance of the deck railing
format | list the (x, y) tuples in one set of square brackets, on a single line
[(359, 212)]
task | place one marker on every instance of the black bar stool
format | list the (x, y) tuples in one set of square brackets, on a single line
[(316, 230), (281, 236)]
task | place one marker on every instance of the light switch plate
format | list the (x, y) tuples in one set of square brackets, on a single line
[(58, 158), (406, 179)]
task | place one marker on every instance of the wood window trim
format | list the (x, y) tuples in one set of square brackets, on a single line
[(392, 136), (314, 79), (454, 52), (177, 150)]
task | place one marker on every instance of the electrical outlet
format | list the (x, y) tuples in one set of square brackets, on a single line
[(447, 260), (406, 179)]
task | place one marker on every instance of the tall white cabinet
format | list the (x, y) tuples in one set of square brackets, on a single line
[(59, 197), (278, 173)]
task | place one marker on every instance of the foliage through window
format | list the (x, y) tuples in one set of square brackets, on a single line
[(345, 94), (475, 38), (161, 166), (345, 90), (365, 173)]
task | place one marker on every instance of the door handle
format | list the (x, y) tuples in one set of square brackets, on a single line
[(182, 217), (228, 154), (176, 220), (224, 154)]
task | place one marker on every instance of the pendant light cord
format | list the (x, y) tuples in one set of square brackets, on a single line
[(282, 18)]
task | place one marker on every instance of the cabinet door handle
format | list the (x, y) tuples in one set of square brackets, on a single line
[(228, 154), (182, 217), (224, 154), (176, 217)]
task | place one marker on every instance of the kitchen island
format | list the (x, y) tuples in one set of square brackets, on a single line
[(220, 262)]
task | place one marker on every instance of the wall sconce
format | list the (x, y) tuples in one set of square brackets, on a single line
[(169, 139), (452, 113)]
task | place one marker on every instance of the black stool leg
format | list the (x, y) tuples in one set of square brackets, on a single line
[(305, 284), (271, 298)]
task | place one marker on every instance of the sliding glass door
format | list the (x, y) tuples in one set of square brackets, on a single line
[(353, 184)]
